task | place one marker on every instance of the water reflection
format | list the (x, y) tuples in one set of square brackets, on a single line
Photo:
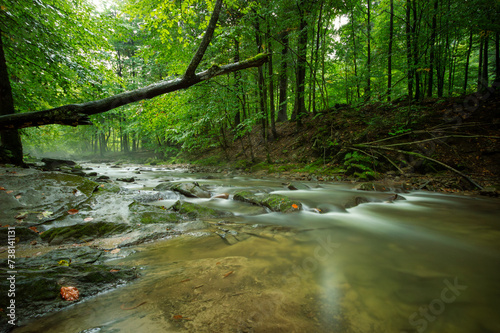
[(428, 263)]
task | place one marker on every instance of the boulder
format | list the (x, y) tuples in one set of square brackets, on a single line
[(190, 190), (274, 202), (42, 196), (195, 211), (127, 180), (146, 214), (82, 232), (39, 280)]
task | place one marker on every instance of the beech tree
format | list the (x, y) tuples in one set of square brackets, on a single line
[(78, 114)]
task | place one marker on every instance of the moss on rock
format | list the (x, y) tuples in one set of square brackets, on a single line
[(194, 211), (147, 214), (82, 232), (275, 202), (39, 280)]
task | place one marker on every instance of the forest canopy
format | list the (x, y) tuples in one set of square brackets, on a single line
[(321, 54)]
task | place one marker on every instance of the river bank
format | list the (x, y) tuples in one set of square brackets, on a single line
[(288, 256)]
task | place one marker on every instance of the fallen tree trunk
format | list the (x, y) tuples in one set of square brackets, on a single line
[(78, 114)]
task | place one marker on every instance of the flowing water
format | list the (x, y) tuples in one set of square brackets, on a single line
[(429, 263)]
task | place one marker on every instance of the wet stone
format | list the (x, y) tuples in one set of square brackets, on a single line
[(39, 279), (274, 202), (43, 196), (195, 211), (82, 232), (190, 190)]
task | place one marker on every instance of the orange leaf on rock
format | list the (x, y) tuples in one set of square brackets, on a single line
[(295, 206), (227, 274), (70, 293), (2, 188), (9, 192), (73, 211), (34, 229), (114, 251), (114, 270)]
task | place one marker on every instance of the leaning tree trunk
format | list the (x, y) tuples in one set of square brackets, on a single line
[(78, 114)]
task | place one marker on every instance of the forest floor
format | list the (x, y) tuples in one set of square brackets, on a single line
[(456, 139), (445, 144)]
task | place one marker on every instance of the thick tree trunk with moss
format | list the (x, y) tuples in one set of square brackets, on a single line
[(11, 149)]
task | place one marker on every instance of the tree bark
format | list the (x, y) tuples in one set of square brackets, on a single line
[(484, 80), (430, 82), (368, 51), (496, 83), (467, 62), (409, 55), (389, 51), (272, 107), (480, 66), (77, 114), (207, 37), (300, 105), (283, 84), (11, 149)]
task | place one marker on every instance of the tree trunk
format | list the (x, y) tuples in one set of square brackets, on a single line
[(272, 108), (466, 78), (77, 114), (409, 56), (415, 33), (283, 84), (300, 105), (11, 148), (433, 51), (484, 79), (237, 78), (355, 56), (317, 57), (389, 52), (480, 67), (261, 82), (368, 51), (496, 84)]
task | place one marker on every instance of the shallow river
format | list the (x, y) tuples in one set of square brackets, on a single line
[(430, 263)]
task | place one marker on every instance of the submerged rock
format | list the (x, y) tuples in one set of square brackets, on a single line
[(23, 235), (398, 188), (38, 280), (275, 202), (54, 164), (127, 180), (82, 232), (146, 214), (195, 211), (42, 196), (190, 190)]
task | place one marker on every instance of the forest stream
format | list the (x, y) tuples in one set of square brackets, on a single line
[(415, 262)]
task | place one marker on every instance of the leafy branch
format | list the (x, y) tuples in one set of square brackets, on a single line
[(78, 114)]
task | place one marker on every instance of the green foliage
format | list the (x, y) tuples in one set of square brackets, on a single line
[(360, 165), (53, 61)]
